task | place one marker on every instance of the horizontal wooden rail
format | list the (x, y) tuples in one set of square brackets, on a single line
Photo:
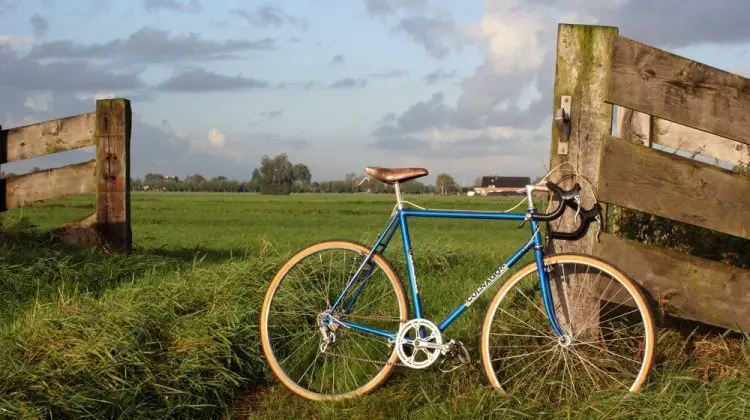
[(48, 137), (674, 88), (680, 137), (674, 187), (683, 285), (641, 128), (46, 184)]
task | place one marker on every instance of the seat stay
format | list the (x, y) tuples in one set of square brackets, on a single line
[(379, 247)]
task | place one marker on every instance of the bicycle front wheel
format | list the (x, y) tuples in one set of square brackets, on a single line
[(609, 332), (325, 360)]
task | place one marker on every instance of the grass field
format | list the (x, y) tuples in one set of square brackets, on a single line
[(171, 330)]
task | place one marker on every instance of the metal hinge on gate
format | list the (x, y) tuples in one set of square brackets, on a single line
[(562, 122)]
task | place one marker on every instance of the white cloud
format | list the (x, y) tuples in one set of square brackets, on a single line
[(457, 135), (216, 138), (95, 96), (38, 103), (515, 36), (14, 41)]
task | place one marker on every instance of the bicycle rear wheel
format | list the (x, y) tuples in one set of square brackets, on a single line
[(291, 319), (609, 330)]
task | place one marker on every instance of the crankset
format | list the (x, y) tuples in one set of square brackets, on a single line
[(419, 343)]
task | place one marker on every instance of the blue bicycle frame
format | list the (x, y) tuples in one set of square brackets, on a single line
[(399, 220)]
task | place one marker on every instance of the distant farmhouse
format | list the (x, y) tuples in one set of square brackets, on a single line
[(502, 185)]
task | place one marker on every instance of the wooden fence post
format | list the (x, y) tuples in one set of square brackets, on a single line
[(113, 124), (582, 72)]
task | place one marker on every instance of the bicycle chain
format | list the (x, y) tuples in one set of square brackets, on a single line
[(374, 317), (362, 359)]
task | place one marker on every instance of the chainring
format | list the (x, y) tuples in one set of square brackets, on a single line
[(409, 340)]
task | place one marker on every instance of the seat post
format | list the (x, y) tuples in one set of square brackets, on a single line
[(398, 195)]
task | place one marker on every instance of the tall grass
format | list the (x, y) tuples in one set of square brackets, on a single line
[(171, 331), (178, 345)]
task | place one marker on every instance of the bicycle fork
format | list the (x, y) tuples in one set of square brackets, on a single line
[(544, 280)]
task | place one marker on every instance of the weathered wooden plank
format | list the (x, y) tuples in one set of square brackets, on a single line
[(674, 187), (582, 72), (653, 81), (113, 128), (680, 137), (684, 286), (50, 183), (48, 137)]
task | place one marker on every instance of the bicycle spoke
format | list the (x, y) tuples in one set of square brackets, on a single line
[(352, 359), (606, 345)]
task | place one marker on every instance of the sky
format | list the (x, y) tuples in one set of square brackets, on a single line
[(456, 86)]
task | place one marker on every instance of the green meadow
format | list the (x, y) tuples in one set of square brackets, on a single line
[(171, 330)]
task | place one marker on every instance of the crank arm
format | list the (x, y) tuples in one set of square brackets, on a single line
[(419, 344)]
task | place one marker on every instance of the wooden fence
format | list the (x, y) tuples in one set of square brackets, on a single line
[(660, 99), (108, 175)]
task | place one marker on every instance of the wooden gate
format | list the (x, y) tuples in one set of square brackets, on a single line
[(108, 175), (659, 99)]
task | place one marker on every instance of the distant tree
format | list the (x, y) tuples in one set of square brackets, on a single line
[(35, 169), (413, 187), (197, 178), (254, 184), (301, 177), (153, 177), (445, 184), (193, 183), (276, 175), (350, 183), (478, 182), (136, 184)]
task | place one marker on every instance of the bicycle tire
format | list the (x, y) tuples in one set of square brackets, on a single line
[(268, 349), (527, 388)]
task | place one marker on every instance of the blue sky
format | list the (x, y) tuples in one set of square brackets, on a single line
[(459, 86)]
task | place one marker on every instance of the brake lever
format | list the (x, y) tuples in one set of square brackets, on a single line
[(598, 219)]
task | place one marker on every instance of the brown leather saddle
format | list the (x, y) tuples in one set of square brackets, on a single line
[(393, 175)]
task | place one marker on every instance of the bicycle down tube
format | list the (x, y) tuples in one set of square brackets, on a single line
[(398, 220)]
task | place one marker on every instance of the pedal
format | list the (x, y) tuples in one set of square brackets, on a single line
[(455, 349)]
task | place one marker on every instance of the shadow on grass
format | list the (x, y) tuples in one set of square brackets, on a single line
[(35, 265), (199, 254)]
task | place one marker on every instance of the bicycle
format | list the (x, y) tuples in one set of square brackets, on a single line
[(550, 321)]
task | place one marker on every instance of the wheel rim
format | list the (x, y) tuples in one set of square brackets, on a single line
[(609, 333), (355, 362)]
